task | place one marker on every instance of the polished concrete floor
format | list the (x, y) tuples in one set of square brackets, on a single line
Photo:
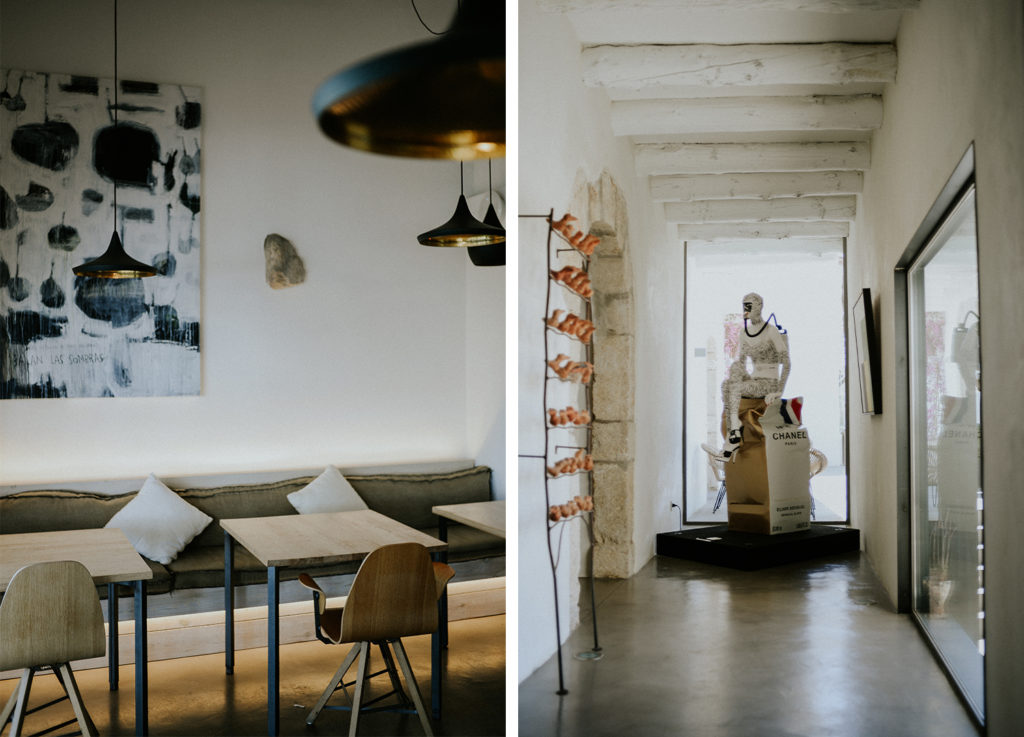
[(192, 696), (692, 649)]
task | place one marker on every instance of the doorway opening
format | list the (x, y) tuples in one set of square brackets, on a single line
[(802, 281)]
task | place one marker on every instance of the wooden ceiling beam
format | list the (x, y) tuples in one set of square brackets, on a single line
[(746, 115), (688, 187), (813, 6), (658, 67), (789, 209), (774, 231), (724, 158)]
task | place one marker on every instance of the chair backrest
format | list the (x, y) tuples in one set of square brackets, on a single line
[(50, 614), (394, 594)]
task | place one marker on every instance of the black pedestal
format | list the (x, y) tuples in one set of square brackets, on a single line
[(720, 546)]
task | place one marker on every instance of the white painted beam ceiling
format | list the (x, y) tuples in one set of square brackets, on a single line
[(749, 118)]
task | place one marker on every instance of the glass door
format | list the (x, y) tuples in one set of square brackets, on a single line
[(947, 529)]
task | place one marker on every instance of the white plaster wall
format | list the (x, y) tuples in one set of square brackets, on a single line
[(658, 306), (485, 339), (367, 361), (565, 137), (552, 139), (961, 79)]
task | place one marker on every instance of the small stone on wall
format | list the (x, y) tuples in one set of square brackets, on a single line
[(284, 266)]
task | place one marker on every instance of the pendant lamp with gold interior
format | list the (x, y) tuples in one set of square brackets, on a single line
[(115, 263), (493, 254), (462, 229), (440, 99)]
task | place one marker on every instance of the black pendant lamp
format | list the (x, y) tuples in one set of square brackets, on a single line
[(440, 99), (462, 229), (493, 254), (115, 263)]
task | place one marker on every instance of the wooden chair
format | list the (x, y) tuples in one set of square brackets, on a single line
[(49, 616), (394, 595)]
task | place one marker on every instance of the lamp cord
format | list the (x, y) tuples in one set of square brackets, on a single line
[(115, 106), (436, 33)]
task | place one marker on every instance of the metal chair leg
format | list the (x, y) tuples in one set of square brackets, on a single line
[(5, 715), (389, 664), (21, 702), (414, 689), (364, 658), (67, 681), (333, 685)]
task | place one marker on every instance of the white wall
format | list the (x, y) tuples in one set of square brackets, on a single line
[(485, 341), (390, 351), (961, 79), (565, 139), (658, 261)]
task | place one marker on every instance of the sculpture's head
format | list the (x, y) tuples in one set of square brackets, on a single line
[(752, 304)]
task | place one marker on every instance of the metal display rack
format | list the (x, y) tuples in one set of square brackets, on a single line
[(569, 337)]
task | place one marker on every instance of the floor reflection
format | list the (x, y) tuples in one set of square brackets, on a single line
[(804, 649)]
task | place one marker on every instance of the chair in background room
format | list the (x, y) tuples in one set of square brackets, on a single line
[(49, 616), (394, 595)]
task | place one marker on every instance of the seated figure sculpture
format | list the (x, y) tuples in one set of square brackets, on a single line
[(767, 347)]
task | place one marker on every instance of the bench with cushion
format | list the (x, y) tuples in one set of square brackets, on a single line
[(188, 582)]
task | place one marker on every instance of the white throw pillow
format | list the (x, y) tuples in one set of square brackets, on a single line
[(328, 492), (158, 522)]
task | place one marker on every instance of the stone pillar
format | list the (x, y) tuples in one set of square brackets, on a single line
[(602, 206)]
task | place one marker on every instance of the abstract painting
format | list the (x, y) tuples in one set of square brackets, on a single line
[(60, 157)]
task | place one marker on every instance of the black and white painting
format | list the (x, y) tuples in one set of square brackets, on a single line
[(60, 158)]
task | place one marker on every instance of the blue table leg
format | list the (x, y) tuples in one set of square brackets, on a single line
[(442, 603), (229, 605), (141, 661), (273, 655), (113, 656), (438, 640), (435, 672)]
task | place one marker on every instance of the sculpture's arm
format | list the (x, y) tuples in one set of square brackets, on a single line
[(785, 371)]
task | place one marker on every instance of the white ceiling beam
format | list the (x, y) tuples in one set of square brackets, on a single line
[(814, 6), (688, 187), (791, 209), (656, 67), (723, 158), (746, 114), (775, 231)]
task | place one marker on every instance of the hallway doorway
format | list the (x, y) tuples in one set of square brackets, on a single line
[(802, 281)]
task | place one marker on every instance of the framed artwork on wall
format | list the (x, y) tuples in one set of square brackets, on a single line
[(61, 155), (869, 365)]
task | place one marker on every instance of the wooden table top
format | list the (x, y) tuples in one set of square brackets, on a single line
[(326, 537), (106, 552), (486, 516)]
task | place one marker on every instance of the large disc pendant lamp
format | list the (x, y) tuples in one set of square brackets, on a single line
[(115, 263), (462, 229), (441, 99), (493, 254)]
